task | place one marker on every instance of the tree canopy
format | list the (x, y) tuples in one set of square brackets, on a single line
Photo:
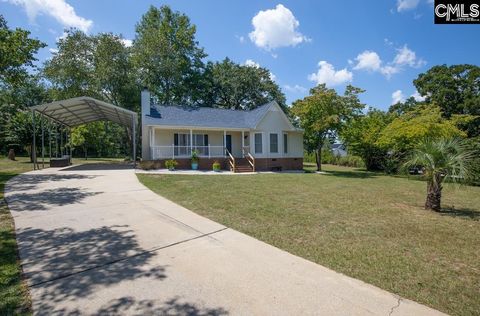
[(168, 57), (324, 113)]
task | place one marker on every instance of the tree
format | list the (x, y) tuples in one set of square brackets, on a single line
[(361, 137), (323, 113), (99, 66), (233, 86), (71, 69), (12, 100), (456, 89), (441, 159), (114, 76), (17, 51), (167, 56), (407, 130)]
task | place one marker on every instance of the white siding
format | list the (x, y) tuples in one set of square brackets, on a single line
[(275, 122)]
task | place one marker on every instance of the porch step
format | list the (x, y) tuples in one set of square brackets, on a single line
[(242, 165)]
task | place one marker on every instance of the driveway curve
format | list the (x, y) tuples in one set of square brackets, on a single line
[(94, 241)]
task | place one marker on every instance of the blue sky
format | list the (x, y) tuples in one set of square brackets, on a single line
[(380, 46)]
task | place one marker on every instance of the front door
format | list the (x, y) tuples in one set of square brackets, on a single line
[(228, 145)]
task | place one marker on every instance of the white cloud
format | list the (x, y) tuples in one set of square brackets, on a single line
[(58, 9), (251, 63), (276, 28), (417, 96), (404, 5), (406, 56), (397, 96), (328, 75), (295, 89), (63, 36), (389, 70), (127, 42), (371, 61), (368, 60), (53, 50)]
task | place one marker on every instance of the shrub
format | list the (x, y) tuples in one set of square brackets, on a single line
[(147, 165), (195, 157), (171, 164), (216, 166)]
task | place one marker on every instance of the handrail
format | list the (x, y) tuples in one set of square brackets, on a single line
[(231, 160), (249, 157)]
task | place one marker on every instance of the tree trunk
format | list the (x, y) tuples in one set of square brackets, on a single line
[(318, 153), (434, 196)]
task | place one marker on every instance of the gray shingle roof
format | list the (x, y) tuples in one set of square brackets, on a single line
[(207, 117)]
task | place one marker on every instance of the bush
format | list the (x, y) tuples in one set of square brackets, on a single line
[(350, 161), (171, 164), (147, 165), (216, 166)]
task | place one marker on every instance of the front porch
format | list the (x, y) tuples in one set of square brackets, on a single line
[(181, 143)]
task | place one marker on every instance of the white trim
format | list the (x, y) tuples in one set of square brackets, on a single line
[(270, 143), (255, 143), (198, 128), (283, 115)]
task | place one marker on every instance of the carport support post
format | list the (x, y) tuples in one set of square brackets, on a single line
[(43, 143), (34, 156), (70, 144), (134, 142)]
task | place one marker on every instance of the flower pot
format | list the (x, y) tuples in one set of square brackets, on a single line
[(171, 169), (194, 165), (216, 169)]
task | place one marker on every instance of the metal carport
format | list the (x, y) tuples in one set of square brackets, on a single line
[(82, 110)]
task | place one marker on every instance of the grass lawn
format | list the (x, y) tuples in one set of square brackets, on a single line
[(366, 225), (14, 297)]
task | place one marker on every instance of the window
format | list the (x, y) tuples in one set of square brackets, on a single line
[(258, 143), (274, 143), (285, 143), (182, 144)]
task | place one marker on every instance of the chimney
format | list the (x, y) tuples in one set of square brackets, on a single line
[(145, 102)]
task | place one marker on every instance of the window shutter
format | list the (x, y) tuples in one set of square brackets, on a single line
[(205, 140), (175, 139)]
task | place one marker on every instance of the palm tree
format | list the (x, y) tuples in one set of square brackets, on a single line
[(441, 159)]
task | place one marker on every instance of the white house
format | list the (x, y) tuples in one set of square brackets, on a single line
[(260, 139)]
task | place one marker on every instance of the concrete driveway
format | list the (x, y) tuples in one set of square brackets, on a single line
[(93, 240)]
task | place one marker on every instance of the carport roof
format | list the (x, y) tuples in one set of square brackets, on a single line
[(81, 110)]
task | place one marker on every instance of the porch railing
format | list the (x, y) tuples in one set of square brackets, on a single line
[(172, 151)]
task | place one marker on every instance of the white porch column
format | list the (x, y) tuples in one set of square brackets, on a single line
[(191, 142), (243, 140), (225, 143)]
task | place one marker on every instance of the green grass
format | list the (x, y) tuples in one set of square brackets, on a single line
[(14, 296), (365, 225)]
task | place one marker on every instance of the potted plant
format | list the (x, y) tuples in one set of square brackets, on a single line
[(194, 160), (216, 166), (171, 164)]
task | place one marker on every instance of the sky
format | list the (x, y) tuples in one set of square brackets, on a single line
[(379, 46)]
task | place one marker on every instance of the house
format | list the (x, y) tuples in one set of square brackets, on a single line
[(339, 150), (258, 140)]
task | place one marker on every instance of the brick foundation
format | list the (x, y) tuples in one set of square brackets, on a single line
[(261, 164), (277, 164)]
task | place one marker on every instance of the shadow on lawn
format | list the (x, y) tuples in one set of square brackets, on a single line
[(464, 213), (356, 174)]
